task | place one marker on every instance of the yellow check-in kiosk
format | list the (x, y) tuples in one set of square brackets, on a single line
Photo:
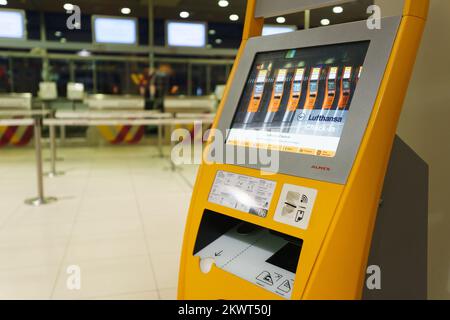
[(301, 227)]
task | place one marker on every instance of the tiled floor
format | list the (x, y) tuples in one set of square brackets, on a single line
[(120, 218)]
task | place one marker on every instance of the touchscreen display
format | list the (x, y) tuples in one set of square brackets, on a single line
[(307, 127)]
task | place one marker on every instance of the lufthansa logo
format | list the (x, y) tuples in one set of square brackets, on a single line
[(301, 116)]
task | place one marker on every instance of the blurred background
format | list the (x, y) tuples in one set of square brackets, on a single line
[(121, 203)]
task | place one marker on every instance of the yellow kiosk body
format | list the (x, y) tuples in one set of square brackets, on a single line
[(304, 229)]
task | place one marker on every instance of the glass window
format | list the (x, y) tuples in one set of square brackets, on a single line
[(159, 32), (112, 77), (219, 75), (199, 79), (5, 79), (60, 73), (33, 25), (143, 31), (27, 74), (84, 73)]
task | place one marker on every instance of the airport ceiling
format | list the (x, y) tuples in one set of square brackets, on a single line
[(202, 10)]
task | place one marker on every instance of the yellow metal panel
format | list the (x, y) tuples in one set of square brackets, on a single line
[(416, 8), (193, 279), (340, 269), (252, 26)]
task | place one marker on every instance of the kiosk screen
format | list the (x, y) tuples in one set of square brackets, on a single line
[(314, 131)]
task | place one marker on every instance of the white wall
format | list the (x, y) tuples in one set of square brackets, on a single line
[(425, 126)]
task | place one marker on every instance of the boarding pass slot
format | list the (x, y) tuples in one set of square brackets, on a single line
[(256, 254)]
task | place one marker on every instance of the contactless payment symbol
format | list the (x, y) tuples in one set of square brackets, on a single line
[(304, 199), (295, 206)]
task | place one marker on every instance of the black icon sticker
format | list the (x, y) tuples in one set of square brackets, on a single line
[(300, 215), (285, 286), (266, 278)]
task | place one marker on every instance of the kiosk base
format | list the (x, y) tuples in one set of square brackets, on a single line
[(399, 244)]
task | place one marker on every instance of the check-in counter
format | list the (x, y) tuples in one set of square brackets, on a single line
[(115, 102), (190, 104), (16, 101), (109, 106)]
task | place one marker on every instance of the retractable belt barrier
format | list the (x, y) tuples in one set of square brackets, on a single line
[(122, 119)]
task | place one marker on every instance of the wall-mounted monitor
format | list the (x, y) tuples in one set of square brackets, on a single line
[(270, 29), (114, 30), (186, 34), (12, 24)]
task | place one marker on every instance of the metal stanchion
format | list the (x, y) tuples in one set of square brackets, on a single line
[(40, 199), (62, 138), (160, 154), (53, 173), (173, 166), (53, 158), (160, 148), (52, 147)]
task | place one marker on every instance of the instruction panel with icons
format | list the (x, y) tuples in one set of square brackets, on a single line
[(243, 193), (295, 206), (257, 255)]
